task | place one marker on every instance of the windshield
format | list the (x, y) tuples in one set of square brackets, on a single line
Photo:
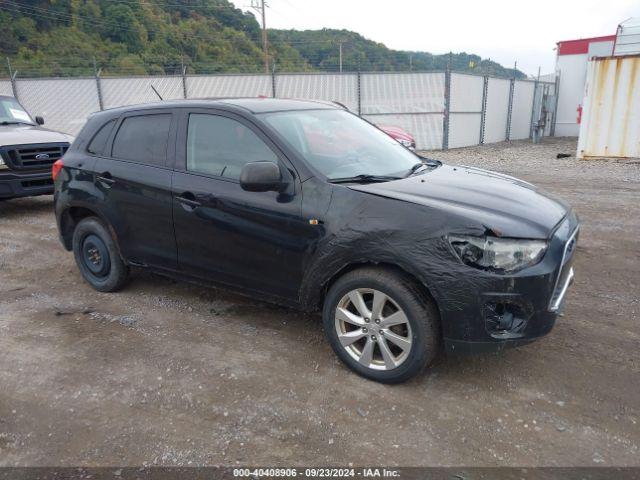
[(341, 145), (12, 112)]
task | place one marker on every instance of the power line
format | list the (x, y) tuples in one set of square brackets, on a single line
[(151, 60), (317, 60), (176, 5), (16, 8), (202, 69), (47, 14), (279, 13)]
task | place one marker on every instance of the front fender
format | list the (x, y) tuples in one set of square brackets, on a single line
[(360, 228)]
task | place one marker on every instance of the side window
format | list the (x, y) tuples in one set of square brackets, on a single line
[(221, 146), (143, 139), (99, 141)]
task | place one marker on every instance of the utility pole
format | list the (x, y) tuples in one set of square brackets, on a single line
[(260, 6), (340, 57)]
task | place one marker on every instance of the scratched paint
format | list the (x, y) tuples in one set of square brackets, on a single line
[(610, 124)]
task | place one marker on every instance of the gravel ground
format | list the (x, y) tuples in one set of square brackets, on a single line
[(175, 374)]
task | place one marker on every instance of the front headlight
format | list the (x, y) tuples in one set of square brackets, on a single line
[(405, 143), (499, 255)]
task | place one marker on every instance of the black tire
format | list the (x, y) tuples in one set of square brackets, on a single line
[(97, 256), (418, 308)]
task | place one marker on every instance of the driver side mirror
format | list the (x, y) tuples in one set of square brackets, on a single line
[(40, 120), (262, 177)]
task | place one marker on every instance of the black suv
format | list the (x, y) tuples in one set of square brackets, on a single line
[(307, 205), (27, 151)]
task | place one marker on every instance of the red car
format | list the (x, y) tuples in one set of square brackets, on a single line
[(399, 134), (343, 141)]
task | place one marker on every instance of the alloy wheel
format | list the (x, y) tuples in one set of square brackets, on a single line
[(373, 329)]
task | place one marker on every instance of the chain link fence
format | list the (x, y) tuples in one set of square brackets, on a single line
[(441, 109)]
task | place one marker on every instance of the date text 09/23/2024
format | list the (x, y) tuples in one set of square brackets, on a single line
[(367, 472)]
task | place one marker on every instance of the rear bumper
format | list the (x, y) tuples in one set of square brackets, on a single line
[(15, 185)]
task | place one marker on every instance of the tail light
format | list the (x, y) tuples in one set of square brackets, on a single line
[(56, 168)]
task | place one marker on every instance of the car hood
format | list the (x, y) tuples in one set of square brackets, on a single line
[(507, 206), (26, 134)]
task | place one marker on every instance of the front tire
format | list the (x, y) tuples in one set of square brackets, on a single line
[(381, 325), (97, 256)]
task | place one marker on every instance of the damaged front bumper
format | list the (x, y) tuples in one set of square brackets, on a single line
[(502, 311)]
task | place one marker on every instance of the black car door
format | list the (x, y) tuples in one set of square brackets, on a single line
[(253, 240), (134, 178)]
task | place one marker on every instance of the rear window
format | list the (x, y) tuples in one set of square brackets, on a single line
[(99, 141), (143, 139)]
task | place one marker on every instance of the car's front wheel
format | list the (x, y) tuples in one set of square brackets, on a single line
[(97, 256), (381, 325)]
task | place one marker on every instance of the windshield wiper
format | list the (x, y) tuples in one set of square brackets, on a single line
[(415, 168), (427, 162), (364, 178), (15, 123)]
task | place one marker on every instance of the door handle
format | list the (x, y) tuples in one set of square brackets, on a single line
[(188, 201), (106, 178)]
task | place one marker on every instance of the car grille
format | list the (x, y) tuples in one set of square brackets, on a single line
[(33, 157), (566, 272)]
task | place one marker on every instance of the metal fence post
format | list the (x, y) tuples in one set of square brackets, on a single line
[(447, 106), (98, 85), (12, 76), (273, 80), (185, 94), (510, 109), (556, 91), (359, 93), (533, 108), (483, 115)]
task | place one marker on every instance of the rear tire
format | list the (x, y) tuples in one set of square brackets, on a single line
[(97, 256), (381, 325)]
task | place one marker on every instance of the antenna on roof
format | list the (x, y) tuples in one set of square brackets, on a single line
[(156, 92)]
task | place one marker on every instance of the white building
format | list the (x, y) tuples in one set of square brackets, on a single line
[(571, 67)]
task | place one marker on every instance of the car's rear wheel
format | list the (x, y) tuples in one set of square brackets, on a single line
[(97, 256), (381, 324)]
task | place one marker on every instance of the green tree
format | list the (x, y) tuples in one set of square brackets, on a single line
[(61, 37), (121, 25)]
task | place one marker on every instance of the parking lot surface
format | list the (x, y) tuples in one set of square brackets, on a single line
[(170, 373)]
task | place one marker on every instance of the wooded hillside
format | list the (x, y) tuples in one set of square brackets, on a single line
[(63, 37)]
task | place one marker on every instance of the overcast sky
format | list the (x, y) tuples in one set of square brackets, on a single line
[(504, 31)]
